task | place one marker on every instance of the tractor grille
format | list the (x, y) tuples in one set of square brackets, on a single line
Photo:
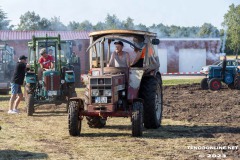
[(101, 93), (52, 82), (101, 85)]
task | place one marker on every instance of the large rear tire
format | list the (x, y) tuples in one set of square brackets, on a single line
[(215, 84), (237, 82), (30, 104), (96, 122), (74, 121), (137, 119), (151, 93), (204, 84)]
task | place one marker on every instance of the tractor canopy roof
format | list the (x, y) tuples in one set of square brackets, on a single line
[(122, 32), (135, 38)]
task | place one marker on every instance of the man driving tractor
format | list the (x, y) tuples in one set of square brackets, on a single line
[(119, 58), (46, 62)]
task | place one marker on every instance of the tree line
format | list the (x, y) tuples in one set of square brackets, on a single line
[(33, 21)]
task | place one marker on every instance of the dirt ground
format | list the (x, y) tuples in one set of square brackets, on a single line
[(219, 109), (191, 118)]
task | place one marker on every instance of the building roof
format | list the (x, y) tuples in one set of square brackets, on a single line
[(190, 39), (71, 35), (27, 35)]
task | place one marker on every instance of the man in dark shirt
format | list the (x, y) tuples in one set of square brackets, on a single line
[(16, 82)]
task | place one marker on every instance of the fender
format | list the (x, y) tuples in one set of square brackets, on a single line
[(30, 77), (79, 100), (69, 76)]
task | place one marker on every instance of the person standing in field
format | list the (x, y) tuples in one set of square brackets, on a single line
[(16, 83)]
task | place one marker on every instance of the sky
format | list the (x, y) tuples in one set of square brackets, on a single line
[(169, 12)]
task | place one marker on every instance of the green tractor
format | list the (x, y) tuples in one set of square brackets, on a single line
[(56, 86)]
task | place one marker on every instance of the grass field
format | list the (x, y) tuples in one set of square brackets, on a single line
[(180, 81), (45, 136)]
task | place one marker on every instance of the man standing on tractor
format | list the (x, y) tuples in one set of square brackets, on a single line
[(119, 58), (46, 62), (16, 82), (50, 52)]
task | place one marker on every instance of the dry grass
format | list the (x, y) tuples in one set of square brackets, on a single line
[(45, 136)]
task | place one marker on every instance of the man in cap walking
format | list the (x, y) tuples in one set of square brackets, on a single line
[(16, 82)]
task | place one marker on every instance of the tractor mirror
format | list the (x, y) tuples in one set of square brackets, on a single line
[(155, 41)]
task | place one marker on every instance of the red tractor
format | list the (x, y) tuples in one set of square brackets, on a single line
[(134, 91)]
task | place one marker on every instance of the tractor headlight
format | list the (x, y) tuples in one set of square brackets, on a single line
[(107, 92), (95, 92)]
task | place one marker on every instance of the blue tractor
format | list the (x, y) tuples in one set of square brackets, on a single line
[(229, 75), (56, 86)]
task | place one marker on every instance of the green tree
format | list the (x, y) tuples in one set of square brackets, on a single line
[(112, 22), (85, 26), (29, 21), (141, 26), (128, 24), (73, 26), (232, 22), (208, 30), (57, 25), (99, 26), (4, 22), (44, 24)]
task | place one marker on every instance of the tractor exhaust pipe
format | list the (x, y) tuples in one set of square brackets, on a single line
[(101, 55)]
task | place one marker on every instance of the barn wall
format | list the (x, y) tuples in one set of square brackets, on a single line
[(212, 47)]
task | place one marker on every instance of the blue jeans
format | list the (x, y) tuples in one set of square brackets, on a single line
[(16, 88)]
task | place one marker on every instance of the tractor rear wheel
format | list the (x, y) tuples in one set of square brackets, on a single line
[(74, 121), (204, 83), (215, 84), (151, 93), (96, 122), (237, 82), (137, 119), (30, 104)]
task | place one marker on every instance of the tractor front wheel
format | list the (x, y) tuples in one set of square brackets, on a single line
[(137, 119), (30, 104), (204, 83), (215, 84), (74, 120)]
